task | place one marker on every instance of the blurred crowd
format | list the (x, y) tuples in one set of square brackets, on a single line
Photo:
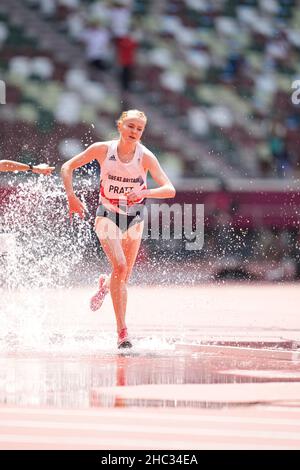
[(215, 78), (217, 72)]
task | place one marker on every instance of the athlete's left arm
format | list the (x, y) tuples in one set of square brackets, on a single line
[(165, 189)]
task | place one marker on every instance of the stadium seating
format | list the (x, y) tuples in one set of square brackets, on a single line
[(220, 73)]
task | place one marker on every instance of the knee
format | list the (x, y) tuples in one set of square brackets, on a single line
[(120, 270)]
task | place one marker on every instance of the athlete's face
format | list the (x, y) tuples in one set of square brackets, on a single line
[(131, 129)]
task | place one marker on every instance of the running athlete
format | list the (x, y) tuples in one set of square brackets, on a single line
[(10, 165), (120, 215)]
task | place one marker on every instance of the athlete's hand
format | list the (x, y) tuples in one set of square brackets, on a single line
[(134, 195), (43, 169), (76, 206)]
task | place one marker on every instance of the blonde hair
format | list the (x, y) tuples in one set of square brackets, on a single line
[(136, 112)]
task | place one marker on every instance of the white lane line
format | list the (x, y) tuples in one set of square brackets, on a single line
[(146, 429)]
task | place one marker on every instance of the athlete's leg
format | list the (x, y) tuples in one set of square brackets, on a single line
[(110, 237), (131, 242)]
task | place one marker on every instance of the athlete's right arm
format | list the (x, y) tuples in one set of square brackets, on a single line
[(96, 151)]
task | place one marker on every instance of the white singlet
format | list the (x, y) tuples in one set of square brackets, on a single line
[(118, 178)]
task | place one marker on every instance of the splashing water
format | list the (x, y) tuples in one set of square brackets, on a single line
[(48, 248), (42, 257), (43, 250), (42, 309)]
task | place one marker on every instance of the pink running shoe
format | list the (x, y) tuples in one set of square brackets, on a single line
[(97, 299), (123, 339)]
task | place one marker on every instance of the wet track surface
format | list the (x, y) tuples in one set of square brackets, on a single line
[(81, 380), (208, 370)]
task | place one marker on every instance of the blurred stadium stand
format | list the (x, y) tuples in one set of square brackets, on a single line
[(215, 79)]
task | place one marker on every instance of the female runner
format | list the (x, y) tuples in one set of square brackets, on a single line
[(119, 222)]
